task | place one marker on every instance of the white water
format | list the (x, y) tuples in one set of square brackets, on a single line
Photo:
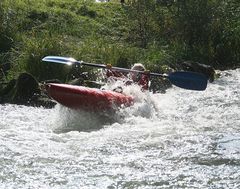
[(181, 139)]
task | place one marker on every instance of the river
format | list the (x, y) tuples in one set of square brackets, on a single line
[(181, 139)]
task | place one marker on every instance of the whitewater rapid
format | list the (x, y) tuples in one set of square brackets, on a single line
[(180, 139)]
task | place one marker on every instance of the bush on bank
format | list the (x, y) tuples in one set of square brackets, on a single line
[(156, 33)]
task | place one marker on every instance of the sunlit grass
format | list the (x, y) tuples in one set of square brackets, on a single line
[(107, 33)]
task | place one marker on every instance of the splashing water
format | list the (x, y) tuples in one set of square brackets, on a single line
[(181, 139)]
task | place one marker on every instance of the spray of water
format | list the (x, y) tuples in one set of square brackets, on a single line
[(80, 120), (181, 139)]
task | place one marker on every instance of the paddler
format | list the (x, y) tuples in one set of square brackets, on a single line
[(133, 77)]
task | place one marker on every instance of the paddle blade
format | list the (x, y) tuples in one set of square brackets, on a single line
[(59, 59), (189, 80)]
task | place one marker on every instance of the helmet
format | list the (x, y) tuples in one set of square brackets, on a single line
[(136, 76), (138, 66)]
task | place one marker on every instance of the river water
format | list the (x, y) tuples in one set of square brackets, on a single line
[(181, 139)]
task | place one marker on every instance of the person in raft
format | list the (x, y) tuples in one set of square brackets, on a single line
[(133, 77)]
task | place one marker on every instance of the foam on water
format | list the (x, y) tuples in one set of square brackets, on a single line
[(181, 139)]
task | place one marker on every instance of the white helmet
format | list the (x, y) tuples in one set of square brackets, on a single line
[(138, 66)]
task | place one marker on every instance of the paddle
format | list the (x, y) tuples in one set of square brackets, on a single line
[(185, 80)]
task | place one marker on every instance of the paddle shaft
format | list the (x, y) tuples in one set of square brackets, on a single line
[(119, 69), (186, 80)]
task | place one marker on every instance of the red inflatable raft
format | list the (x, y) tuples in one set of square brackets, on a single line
[(90, 99)]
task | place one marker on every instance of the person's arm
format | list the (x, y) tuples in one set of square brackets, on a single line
[(112, 73)]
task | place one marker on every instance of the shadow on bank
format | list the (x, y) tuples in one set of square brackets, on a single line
[(25, 90)]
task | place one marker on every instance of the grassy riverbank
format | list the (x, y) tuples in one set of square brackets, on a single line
[(154, 33)]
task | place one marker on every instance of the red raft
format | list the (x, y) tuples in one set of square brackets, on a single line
[(84, 98)]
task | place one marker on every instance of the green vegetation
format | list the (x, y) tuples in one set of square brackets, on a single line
[(156, 33)]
